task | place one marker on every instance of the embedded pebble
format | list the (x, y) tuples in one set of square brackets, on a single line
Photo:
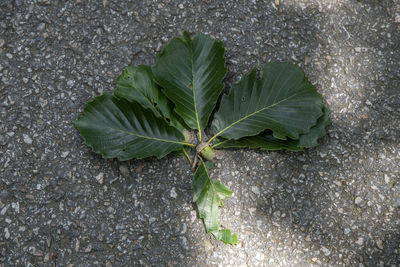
[(27, 139), (326, 251), (100, 178), (358, 200), (173, 193), (360, 241), (255, 190), (6, 233)]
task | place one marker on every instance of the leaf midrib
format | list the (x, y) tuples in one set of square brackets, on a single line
[(252, 114), (150, 138), (194, 94), (212, 185)]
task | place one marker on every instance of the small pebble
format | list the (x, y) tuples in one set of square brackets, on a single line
[(41, 26), (27, 139), (173, 193), (397, 18), (360, 241), (124, 170), (4, 210), (255, 190), (387, 179), (326, 251), (379, 244), (6, 233), (100, 178)]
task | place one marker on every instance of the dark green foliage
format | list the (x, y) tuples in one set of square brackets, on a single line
[(153, 109)]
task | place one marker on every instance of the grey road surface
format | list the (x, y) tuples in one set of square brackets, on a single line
[(334, 205)]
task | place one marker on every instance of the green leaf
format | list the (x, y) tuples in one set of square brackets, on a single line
[(191, 73), (136, 83), (178, 153), (263, 141), (208, 195), (117, 128), (310, 139), (283, 101), (268, 142), (226, 236)]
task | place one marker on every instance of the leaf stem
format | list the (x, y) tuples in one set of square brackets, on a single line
[(189, 144), (209, 141), (187, 155), (217, 144), (199, 133), (201, 159), (195, 161)]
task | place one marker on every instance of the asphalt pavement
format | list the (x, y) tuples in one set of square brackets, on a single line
[(63, 205)]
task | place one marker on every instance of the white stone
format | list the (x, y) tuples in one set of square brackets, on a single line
[(41, 26), (326, 251), (397, 18), (360, 241), (173, 193), (255, 190), (6, 233), (100, 178), (4, 210), (358, 200), (27, 139), (15, 206), (387, 179), (260, 256), (379, 244)]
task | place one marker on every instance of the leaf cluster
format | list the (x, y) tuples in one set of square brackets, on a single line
[(164, 108)]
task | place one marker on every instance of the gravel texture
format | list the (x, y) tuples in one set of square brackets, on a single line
[(63, 205)]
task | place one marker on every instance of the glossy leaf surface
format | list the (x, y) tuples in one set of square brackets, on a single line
[(191, 73), (117, 128), (268, 142), (283, 101), (263, 141), (136, 83)]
